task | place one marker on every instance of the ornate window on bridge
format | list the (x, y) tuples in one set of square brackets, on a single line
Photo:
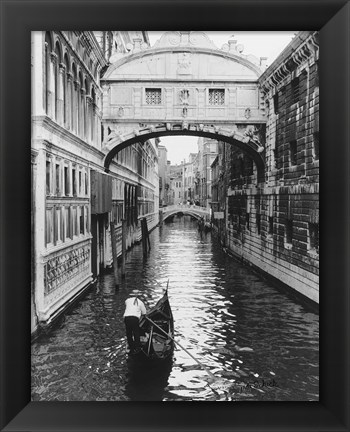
[(216, 96), (153, 96)]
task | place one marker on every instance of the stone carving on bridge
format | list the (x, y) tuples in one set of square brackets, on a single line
[(184, 64), (184, 95), (185, 38), (253, 133)]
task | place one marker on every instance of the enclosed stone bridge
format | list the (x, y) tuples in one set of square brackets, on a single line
[(187, 209), (184, 85)]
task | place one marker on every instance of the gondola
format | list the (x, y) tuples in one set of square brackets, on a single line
[(157, 330)]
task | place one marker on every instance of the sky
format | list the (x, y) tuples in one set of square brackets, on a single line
[(260, 44)]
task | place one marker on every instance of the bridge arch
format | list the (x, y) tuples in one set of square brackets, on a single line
[(244, 141), (184, 85)]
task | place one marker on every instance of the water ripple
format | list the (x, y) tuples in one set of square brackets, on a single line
[(250, 341)]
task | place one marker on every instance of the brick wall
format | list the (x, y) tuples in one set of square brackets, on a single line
[(274, 225)]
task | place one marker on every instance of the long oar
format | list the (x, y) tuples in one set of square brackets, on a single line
[(212, 376)]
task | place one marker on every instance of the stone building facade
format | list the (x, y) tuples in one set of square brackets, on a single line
[(73, 198), (274, 225)]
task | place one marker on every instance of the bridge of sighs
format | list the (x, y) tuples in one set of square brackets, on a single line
[(184, 85)]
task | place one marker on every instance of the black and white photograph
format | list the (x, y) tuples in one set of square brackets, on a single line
[(175, 216)]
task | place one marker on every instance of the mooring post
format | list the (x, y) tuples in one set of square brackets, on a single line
[(143, 236), (114, 253), (123, 246), (147, 236)]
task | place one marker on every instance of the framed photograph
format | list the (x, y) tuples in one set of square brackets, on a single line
[(62, 65)]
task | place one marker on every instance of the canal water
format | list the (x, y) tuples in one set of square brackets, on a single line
[(257, 343)]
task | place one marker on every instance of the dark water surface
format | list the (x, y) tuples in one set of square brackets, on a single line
[(258, 343)]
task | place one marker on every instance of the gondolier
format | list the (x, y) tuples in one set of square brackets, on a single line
[(134, 309)]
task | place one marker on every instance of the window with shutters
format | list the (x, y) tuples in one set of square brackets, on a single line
[(153, 96), (216, 96)]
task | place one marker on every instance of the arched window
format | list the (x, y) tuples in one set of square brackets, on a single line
[(66, 93), (81, 105), (75, 106), (93, 120), (47, 78), (87, 108), (57, 82)]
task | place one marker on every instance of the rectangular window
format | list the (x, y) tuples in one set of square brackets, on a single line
[(270, 225), (248, 220), (68, 224), (74, 181), (63, 224), (66, 181), (80, 183), (58, 179), (49, 226), (153, 96), (295, 90), (289, 231), (86, 184), (314, 237), (87, 228), (316, 146), (58, 225), (82, 221), (75, 221), (293, 152), (48, 177), (216, 96)]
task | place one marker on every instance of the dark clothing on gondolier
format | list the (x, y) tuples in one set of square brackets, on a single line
[(134, 308)]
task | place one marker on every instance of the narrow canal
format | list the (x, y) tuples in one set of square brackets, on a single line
[(260, 344)]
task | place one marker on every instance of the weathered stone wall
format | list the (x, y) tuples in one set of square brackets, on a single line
[(275, 226)]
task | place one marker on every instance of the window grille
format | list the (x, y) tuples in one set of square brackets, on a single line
[(216, 96), (154, 96)]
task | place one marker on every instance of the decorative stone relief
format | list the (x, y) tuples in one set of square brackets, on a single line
[(59, 270), (184, 64)]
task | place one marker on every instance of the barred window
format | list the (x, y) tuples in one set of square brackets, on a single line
[(153, 96), (216, 96)]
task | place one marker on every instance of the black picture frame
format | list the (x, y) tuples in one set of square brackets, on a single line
[(18, 18)]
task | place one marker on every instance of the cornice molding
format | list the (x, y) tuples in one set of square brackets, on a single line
[(303, 47)]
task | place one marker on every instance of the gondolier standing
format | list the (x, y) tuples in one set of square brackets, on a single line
[(134, 308)]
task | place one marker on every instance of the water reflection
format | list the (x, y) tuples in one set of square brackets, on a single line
[(258, 343)]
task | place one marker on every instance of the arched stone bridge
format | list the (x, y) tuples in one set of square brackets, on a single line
[(188, 209), (184, 85)]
